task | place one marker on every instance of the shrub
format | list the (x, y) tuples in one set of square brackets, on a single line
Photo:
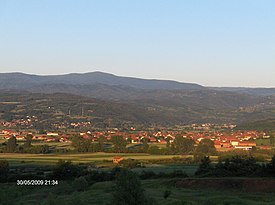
[(80, 184), (205, 167), (130, 163), (128, 190), (4, 170), (66, 170), (166, 194), (147, 175)]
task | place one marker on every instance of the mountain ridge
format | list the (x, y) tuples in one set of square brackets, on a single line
[(112, 76), (145, 102), (93, 78)]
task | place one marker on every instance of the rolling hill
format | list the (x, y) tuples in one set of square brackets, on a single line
[(27, 81), (123, 100)]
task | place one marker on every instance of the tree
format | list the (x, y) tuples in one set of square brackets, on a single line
[(128, 189), (166, 194), (271, 167), (101, 142), (183, 145), (206, 147), (272, 140), (28, 140), (154, 150), (81, 144), (272, 164), (145, 145), (80, 184), (4, 170), (44, 149), (238, 166), (204, 167), (167, 139), (129, 139), (51, 199), (119, 143), (11, 144), (65, 170), (130, 163)]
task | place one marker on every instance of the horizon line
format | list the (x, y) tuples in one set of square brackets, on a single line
[(142, 78)]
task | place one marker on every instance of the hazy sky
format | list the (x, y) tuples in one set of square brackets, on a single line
[(216, 43)]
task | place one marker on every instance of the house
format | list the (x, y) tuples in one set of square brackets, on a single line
[(243, 147), (53, 134), (152, 139), (162, 141), (234, 142), (134, 140), (20, 137), (217, 144), (226, 144), (247, 143), (117, 159), (265, 147)]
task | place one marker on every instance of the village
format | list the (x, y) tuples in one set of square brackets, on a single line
[(223, 140)]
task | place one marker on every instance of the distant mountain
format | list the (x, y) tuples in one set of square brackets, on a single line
[(133, 100), (154, 109), (250, 91), (26, 81), (104, 85)]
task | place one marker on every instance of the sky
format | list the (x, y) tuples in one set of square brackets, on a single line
[(210, 42)]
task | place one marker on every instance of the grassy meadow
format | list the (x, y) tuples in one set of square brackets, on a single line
[(100, 194), (78, 158)]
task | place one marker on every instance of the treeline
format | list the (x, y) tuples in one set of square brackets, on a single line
[(180, 146), (236, 166), (11, 146), (66, 170), (119, 145)]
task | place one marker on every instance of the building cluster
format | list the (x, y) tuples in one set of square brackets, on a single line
[(223, 141), (27, 122), (30, 122)]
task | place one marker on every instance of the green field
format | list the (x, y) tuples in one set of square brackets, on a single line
[(161, 168), (100, 194), (79, 158), (263, 142)]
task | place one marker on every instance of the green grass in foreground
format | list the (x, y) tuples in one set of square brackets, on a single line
[(169, 168), (100, 194)]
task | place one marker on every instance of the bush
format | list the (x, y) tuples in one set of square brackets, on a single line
[(66, 170), (80, 184), (97, 176), (158, 151), (166, 194), (147, 175), (128, 190), (205, 167), (270, 168), (177, 173), (174, 160), (63, 188), (238, 166), (4, 170), (130, 163), (198, 156)]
